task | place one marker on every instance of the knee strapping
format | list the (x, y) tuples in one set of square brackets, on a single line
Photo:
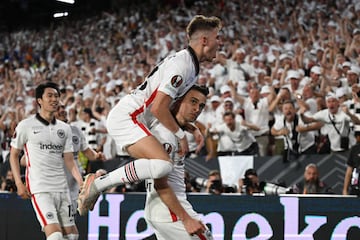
[(55, 236), (72, 236), (160, 168)]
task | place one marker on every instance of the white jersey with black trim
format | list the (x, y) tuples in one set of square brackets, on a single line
[(155, 209), (174, 76), (44, 144)]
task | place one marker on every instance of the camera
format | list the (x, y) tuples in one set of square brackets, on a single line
[(273, 189), (216, 186)]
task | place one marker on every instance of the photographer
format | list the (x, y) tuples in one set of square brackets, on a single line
[(213, 184), (250, 183)]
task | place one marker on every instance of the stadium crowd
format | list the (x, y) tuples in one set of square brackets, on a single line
[(273, 53)]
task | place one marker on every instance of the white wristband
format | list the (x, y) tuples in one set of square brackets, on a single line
[(180, 134)]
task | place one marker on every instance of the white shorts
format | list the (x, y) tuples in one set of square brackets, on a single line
[(53, 207), (175, 231), (126, 128)]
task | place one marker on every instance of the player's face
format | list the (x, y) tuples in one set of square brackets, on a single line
[(50, 100), (213, 41), (192, 105)]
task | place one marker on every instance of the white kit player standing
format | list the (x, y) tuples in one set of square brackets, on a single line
[(47, 145)]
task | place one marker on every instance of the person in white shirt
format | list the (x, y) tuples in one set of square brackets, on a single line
[(298, 137), (235, 137), (47, 145), (256, 112), (166, 224), (80, 145), (336, 122), (129, 121)]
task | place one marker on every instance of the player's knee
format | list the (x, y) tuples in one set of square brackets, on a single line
[(160, 168), (71, 236), (55, 236)]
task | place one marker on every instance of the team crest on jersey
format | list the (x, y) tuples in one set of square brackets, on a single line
[(61, 133), (75, 140), (167, 147), (49, 215), (176, 81)]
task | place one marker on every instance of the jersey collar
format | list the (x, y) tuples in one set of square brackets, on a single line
[(195, 59), (45, 122)]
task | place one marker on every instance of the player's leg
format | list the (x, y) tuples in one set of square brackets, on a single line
[(152, 162), (46, 213), (67, 217)]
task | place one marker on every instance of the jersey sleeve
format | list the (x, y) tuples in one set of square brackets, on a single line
[(19, 137), (68, 141), (173, 75)]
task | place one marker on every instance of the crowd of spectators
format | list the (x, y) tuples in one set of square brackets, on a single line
[(306, 52)]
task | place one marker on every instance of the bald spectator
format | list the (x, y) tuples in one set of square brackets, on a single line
[(311, 184)]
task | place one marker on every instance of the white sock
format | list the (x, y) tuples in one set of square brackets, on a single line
[(71, 236), (134, 171), (55, 236)]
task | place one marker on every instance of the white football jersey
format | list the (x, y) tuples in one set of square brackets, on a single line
[(173, 76), (44, 144), (155, 209)]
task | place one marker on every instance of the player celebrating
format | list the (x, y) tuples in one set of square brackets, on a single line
[(157, 214), (129, 121)]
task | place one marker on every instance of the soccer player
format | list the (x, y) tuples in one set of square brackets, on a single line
[(157, 214), (47, 145), (79, 144), (129, 121)]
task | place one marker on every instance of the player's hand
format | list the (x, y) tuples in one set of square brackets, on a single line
[(23, 192), (194, 226), (183, 146), (100, 156)]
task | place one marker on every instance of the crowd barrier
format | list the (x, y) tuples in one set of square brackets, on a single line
[(231, 216)]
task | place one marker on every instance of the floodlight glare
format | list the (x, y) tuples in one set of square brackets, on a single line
[(58, 15), (67, 1)]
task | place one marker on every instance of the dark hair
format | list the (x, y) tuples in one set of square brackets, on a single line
[(289, 102), (200, 88), (39, 91), (229, 113), (249, 172), (200, 22), (88, 111)]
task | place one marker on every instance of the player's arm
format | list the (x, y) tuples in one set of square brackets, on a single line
[(15, 168), (71, 166), (91, 154), (161, 110)]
